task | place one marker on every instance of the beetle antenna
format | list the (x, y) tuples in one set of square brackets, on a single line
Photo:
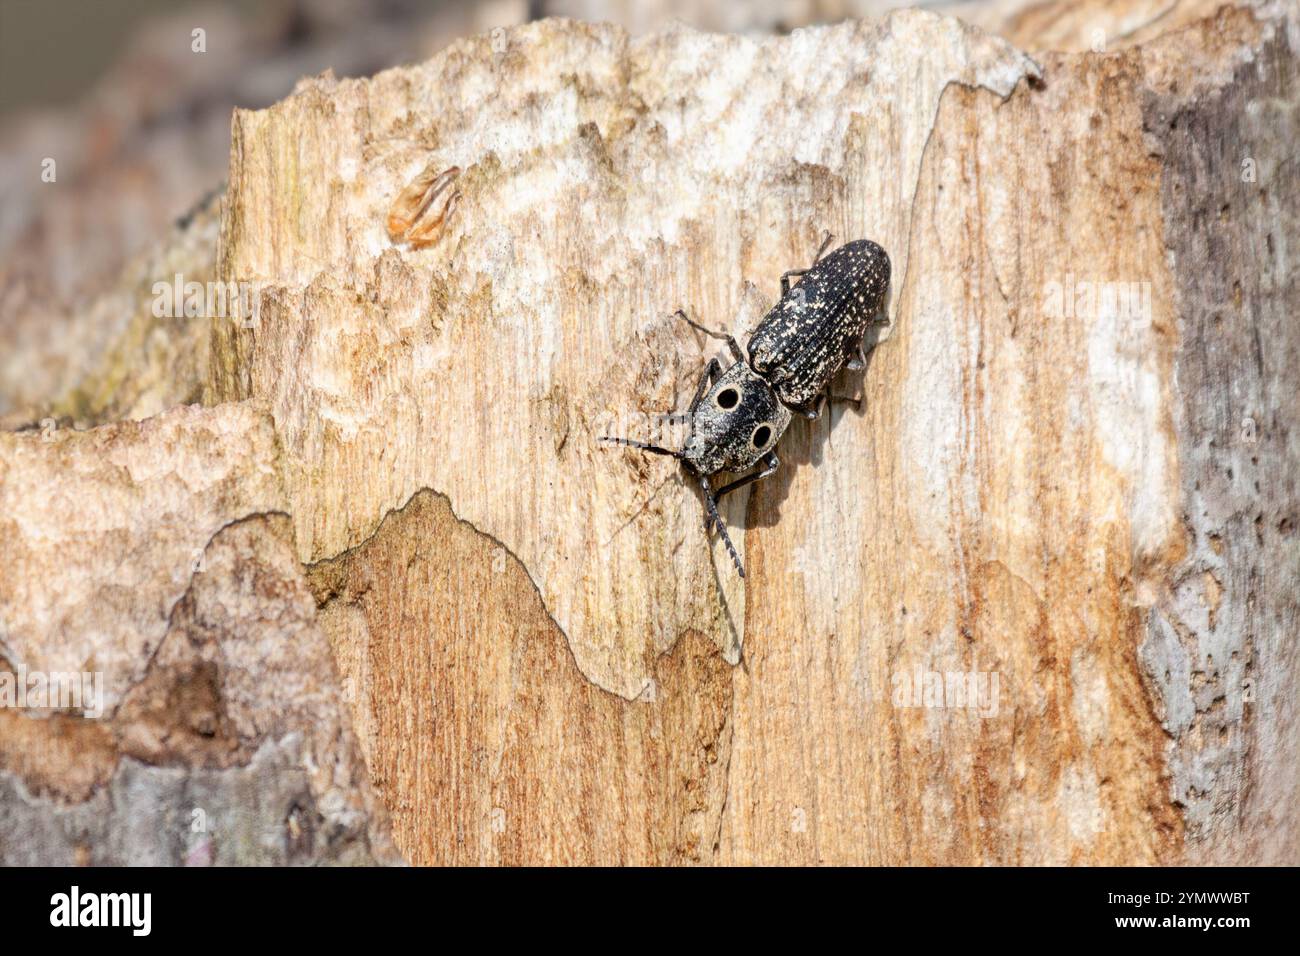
[(712, 505), (644, 446)]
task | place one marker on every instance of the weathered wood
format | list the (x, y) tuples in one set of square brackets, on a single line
[(1071, 472), (157, 557)]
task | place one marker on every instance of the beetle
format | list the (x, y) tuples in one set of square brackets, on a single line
[(816, 328)]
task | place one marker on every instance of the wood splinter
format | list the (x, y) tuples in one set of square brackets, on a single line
[(409, 218)]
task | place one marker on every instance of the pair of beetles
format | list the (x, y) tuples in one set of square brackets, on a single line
[(738, 415)]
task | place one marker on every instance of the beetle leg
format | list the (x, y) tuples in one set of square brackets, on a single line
[(785, 280), (789, 274), (770, 464), (822, 248), (857, 359), (813, 410), (721, 336), (711, 372)]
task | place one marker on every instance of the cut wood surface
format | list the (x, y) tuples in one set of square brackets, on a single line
[(440, 622)]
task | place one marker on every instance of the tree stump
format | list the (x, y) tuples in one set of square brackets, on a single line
[(1032, 600)]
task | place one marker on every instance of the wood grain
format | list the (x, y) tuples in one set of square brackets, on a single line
[(1033, 600)]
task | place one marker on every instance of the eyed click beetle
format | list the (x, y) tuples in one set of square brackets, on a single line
[(738, 415)]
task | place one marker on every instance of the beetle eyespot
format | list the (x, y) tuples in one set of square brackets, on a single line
[(762, 435), (728, 397)]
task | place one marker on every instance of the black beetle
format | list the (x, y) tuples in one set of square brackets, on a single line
[(817, 328)]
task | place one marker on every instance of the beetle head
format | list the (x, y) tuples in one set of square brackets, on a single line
[(735, 423)]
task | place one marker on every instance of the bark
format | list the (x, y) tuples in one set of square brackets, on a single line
[(434, 614)]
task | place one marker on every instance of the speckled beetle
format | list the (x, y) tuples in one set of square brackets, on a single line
[(817, 328)]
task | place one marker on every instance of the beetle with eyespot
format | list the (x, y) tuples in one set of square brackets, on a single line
[(818, 327)]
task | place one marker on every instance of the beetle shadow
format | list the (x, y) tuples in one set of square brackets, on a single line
[(733, 652), (804, 443)]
